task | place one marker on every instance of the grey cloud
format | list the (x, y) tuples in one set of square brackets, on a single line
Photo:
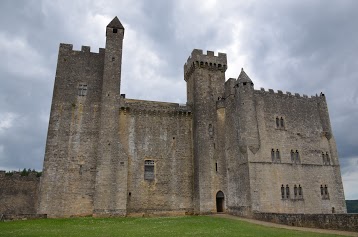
[(305, 47)]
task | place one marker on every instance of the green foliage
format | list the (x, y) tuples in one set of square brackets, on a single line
[(24, 172), (352, 206), (165, 226)]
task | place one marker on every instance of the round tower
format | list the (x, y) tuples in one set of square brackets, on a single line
[(248, 127)]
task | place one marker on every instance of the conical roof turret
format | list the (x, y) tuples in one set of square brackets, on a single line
[(115, 23), (243, 77)]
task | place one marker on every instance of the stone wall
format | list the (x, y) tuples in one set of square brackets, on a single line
[(18, 194), (67, 186), (347, 222), (158, 132), (306, 130)]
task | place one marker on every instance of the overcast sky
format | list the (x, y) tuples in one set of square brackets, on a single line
[(304, 46)]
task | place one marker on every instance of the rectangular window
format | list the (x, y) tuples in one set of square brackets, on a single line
[(82, 89), (148, 169)]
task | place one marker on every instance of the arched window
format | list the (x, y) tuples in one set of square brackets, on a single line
[(282, 192), (292, 156), (297, 160), (287, 191), (282, 123), (277, 122), (273, 155), (300, 190), (322, 193), (325, 190), (295, 190), (278, 157), (328, 162)]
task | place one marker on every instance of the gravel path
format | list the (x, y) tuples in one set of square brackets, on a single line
[(270, 224)]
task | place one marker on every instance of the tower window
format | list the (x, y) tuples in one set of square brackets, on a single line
[(282, 192), (148, 169), (326, 159), (275, 156), (115, 31), (287, 192), (324, 192), (82, 89), (280, 123), (216, 166)]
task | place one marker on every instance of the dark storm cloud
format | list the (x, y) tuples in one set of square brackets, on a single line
[(298, 46)]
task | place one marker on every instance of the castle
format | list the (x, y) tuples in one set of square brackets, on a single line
[(230, 149)]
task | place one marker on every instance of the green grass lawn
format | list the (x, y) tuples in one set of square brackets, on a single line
[(165, 226)]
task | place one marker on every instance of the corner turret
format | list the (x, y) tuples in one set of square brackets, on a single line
[(244, 79)]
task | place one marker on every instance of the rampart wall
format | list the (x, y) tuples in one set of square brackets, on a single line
[(18, 194)]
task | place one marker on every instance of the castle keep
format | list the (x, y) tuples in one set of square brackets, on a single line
[(231, 148)]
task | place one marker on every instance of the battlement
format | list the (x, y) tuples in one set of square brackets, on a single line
[(141, 107), (209, 61), (288, 94), (67, 48)]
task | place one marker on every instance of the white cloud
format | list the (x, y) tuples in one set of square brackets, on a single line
[(20, 59), (6, 122)]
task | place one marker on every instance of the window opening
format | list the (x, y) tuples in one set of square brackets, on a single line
[(82, 89), (148, 169), (287, 191)]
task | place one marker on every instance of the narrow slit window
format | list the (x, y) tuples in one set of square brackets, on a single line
[(148, 169), (328, 162), (323, 158), (297, 160), (273, 155), (282, 192), (292, 156), (287, 191), (216, 166), (282, 123), (278, 157), (295, 190), (277, 122), (300, 191)]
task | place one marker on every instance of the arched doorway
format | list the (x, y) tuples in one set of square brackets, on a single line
[(219, 201)]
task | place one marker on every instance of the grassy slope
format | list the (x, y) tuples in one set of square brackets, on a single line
[(165, 226), (352, 206)]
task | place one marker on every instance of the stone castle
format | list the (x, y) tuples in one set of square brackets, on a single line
[(230, 148)]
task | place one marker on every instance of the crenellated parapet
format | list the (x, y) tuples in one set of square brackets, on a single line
[(209, 61), (269, 92), (68, 49)]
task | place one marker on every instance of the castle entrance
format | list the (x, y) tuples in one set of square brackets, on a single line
[(220, 201)]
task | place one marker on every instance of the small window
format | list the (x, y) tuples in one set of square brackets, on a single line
[(115, 31), (300, 193), (324, 192), (287, 192), (148, 169), (282, 124), (282, 192), (292, 156), (82, 89), (277, 122), (273, 155), (278, 156), (216, 166), (328, 161), (297, 157), (295, 191)]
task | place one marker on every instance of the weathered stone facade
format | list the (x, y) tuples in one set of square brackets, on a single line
[(230, 148), (18, 194)]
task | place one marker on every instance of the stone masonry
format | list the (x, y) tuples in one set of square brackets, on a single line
[(230, 148)]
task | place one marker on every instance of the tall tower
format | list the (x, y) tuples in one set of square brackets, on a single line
[(111, 184), (205, 77)]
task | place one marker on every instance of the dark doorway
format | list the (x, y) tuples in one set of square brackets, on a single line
[(220, 201)]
